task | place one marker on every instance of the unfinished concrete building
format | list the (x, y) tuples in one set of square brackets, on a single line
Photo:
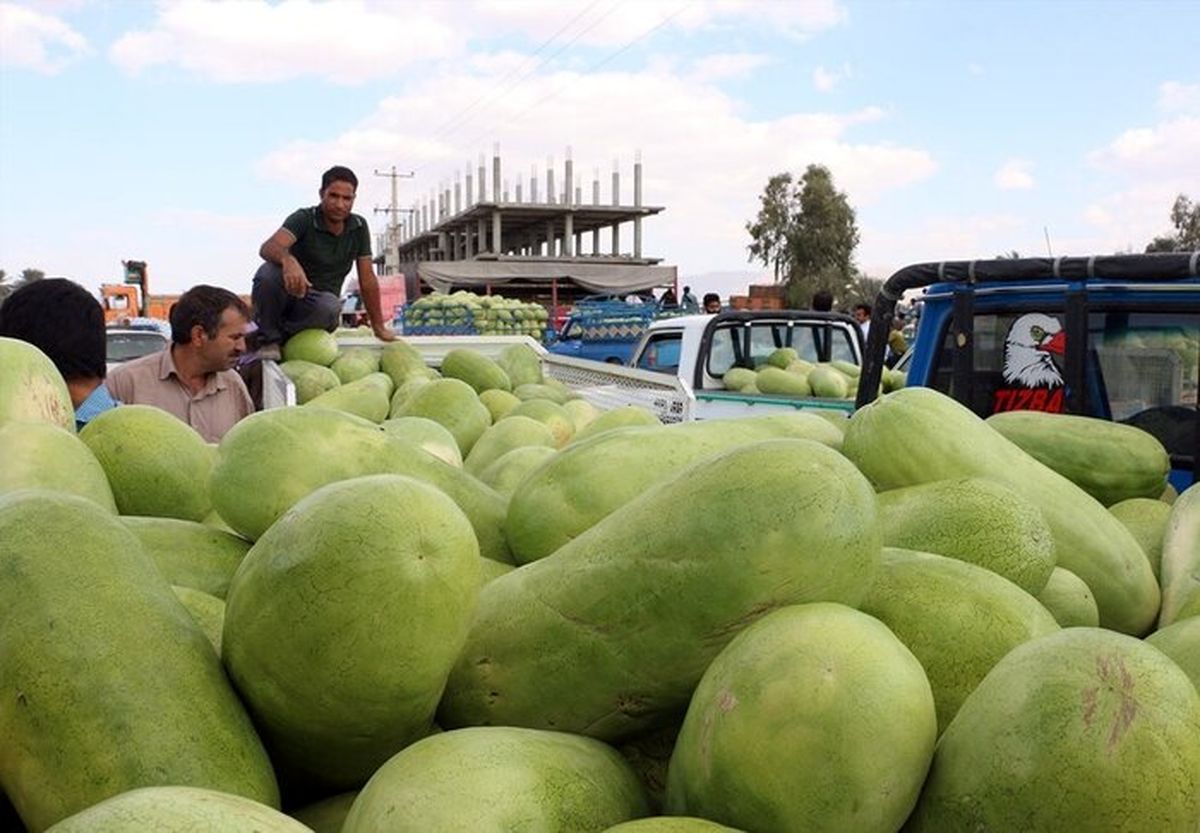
[(547, 243)]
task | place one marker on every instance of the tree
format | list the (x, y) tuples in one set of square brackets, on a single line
[(806, 232), (10, 285), (1185, 216)]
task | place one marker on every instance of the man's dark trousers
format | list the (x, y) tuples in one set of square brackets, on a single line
[(280, 315)]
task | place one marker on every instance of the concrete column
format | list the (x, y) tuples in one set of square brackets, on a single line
[(596, 201), (470, 186), (550, 238), (482, 234), (533, 197), (518, 190), (468, 243), (497, 243), (568, 177), (505, 190), (550, 180), (569, 235), (457, 193), (443, 245), (482, 181), (496, 173), (637, 201)]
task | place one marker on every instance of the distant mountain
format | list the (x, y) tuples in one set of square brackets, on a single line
[(724, 283)]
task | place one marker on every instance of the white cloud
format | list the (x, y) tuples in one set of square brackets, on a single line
[(1014, 175), (1147, 167), (1170, 149), (615, 23), (255, 41), (1180, 98), (1130, 217), (703, 160), (727, 65), (886, 247), (36, 41), (824, 80), (259, 41)]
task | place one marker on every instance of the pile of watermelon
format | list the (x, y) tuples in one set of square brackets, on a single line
[(463, 599), (783, 372)]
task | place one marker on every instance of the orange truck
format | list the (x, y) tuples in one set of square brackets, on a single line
[(131, 298)]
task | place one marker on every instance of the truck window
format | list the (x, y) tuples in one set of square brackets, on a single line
[(1141, 368), (1148, 365), (661, 353), (766, 337)]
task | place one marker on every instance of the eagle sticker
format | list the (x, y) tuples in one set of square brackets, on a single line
[(1031, 348)]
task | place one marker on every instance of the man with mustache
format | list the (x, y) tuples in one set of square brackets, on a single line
[(192, 377)]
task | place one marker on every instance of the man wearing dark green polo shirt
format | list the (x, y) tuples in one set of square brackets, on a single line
[(298, 287)]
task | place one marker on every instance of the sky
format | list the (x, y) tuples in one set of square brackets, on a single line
[(182, 132)]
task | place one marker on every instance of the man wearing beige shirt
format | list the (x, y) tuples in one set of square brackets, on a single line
[(192, 378)]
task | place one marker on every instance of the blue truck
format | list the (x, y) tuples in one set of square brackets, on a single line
[(603, 330), (1115, 337)]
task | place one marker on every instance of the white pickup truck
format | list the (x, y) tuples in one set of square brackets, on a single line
[(676, 368)]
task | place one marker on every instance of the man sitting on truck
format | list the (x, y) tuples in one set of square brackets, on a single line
[(65, 322), (192, 377), (712, 303), (298, 286)]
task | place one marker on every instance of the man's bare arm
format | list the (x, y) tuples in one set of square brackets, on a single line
[(278, 249), (368, 286)]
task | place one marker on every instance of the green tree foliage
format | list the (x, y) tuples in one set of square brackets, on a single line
[(9, 285), (806, 232), (1185, 216)]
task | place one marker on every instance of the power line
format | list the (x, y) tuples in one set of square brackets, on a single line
[(559, 90), (628, 45), (487, 94)]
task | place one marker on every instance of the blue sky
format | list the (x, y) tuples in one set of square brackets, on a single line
[(182, 132)]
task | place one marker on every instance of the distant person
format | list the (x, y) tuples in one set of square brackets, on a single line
[(64, 321), (897, 344), (822, 301), (299, 286), (712, 303), (191, 377), (862, 314), (689, 303), (668, 299)]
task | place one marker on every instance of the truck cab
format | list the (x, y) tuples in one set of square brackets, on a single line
[(700, 349), (1111, 337)]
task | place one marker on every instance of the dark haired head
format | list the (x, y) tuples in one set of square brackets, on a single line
[(338, 173), (822, 300), (864, 307), (203, 305), (61, 319), (711, 296)]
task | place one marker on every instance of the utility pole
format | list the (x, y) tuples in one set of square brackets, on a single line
[(393, 235)]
